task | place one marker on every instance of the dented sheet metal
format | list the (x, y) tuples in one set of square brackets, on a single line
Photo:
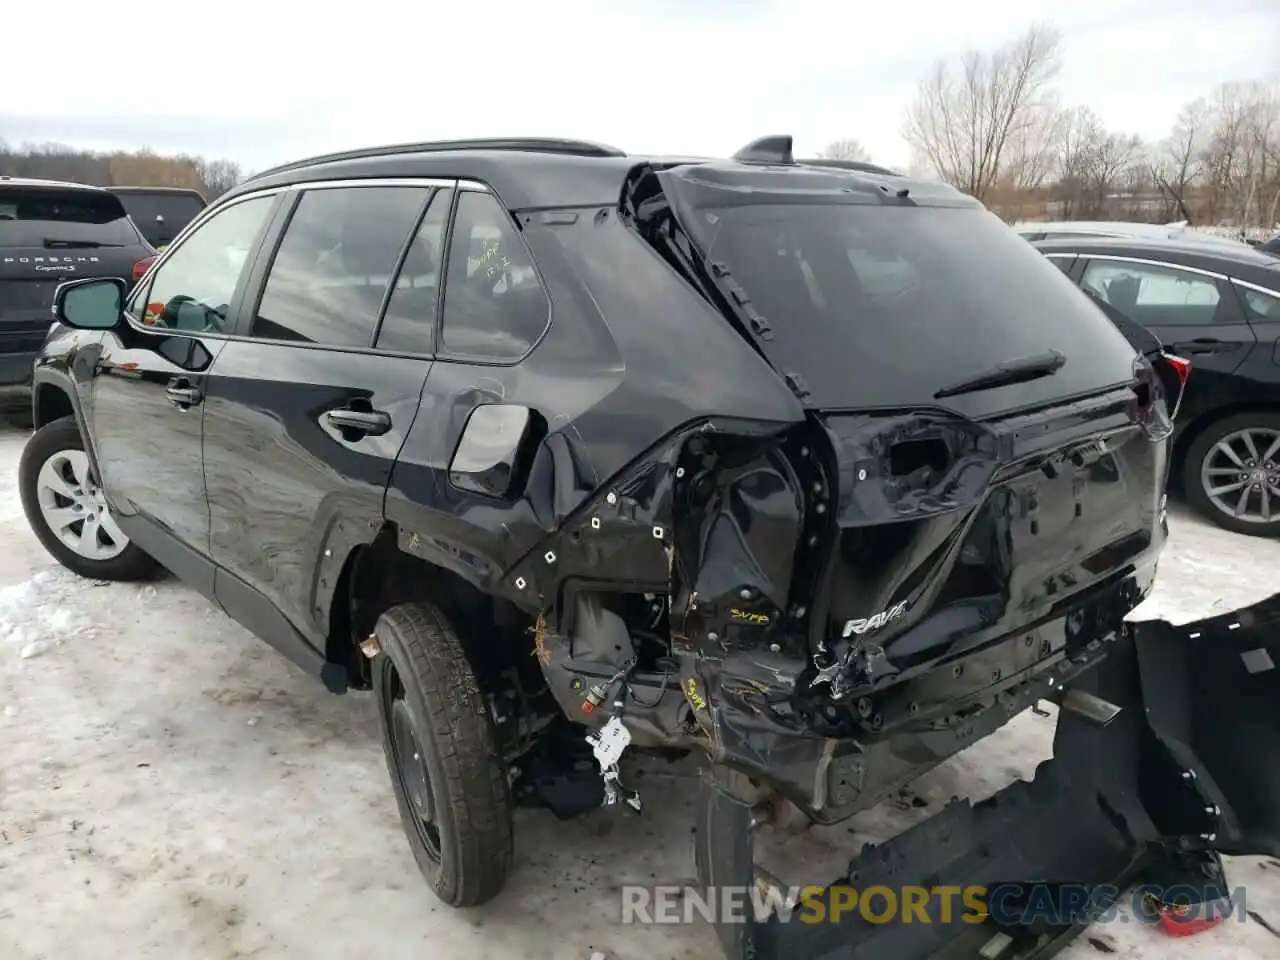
[(835, 607)]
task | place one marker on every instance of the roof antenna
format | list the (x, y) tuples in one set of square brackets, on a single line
[(774, 149)]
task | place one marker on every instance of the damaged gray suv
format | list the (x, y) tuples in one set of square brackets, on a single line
[(817, 472)]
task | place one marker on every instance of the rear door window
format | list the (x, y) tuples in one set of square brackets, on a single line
[(53, 218), (1155, 296), (408, 326), (1262, 307), (335, 263), (876, 305)]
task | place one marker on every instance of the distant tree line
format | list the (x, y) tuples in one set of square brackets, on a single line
[(993, 124), (133, 168)]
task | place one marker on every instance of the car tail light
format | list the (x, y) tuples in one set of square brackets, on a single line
[(142, 266), (1181, 367)]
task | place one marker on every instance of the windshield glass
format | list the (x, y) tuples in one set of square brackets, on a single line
[(36, 217), (878, 305)]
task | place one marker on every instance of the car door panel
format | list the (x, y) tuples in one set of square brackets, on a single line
[(149, 447), (270, 525), (1262, 308), (1212, 333), (302, 397), (151, 374)]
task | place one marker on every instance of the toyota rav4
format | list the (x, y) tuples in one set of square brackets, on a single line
[(822, 474)]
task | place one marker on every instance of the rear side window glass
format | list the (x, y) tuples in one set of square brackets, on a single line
[(193, 289), (494, 304), (409, 323), (334, 264), (1261, 306), (59, 219), (1154, 296)]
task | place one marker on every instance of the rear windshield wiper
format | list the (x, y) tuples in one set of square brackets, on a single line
[(50, 243), (1007, 373)]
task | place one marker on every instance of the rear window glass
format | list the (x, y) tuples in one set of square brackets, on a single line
[(53, 218), (882, 306), (175, 211)]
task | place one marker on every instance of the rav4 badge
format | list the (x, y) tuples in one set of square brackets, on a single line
[(875, 621)]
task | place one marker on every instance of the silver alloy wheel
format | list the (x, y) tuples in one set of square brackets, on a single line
[(1241, 475), (74, 508)]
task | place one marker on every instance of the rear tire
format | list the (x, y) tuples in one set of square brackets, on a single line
[(1212, 477), (441, 749), (67, 511)]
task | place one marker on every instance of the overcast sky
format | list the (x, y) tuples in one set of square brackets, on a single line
[(267, 81)]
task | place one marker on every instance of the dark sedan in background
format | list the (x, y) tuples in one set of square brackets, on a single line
[(1220, 308)]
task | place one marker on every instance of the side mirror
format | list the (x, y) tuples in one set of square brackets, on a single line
[(490, 456), (92, 304)]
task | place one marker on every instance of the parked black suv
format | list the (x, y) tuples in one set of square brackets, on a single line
[(823, 472), (51, 232), (1219, 308)]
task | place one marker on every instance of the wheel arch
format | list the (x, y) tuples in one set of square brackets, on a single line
[(50, 402), (377, 575), (1196, 428), (54, 396)]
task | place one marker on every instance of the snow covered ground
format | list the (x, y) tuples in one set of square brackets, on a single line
[(169, 787)]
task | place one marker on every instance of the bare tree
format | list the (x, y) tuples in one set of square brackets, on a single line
[(848, 149), (963, 120), (1110, 171), (1034, 145), (1176, 163), (218, 176), (1232, 153), (1081, 139)]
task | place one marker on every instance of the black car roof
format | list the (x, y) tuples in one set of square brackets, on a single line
[(1245, 263), (542, 173)]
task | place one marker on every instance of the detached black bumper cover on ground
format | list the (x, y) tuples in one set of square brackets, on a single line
[(1189, 768)]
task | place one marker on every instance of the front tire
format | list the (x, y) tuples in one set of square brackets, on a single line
[(67, 511), (1232, 473), (441, 749)]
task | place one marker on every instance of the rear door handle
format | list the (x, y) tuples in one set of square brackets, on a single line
[(182, 395), (1204, 345), (370, 423)]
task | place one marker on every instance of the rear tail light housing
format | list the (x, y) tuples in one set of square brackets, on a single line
[(1181, 366), (142, 266)]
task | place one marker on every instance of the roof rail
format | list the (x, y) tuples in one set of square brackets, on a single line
[(576, 148), (861, 166)]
